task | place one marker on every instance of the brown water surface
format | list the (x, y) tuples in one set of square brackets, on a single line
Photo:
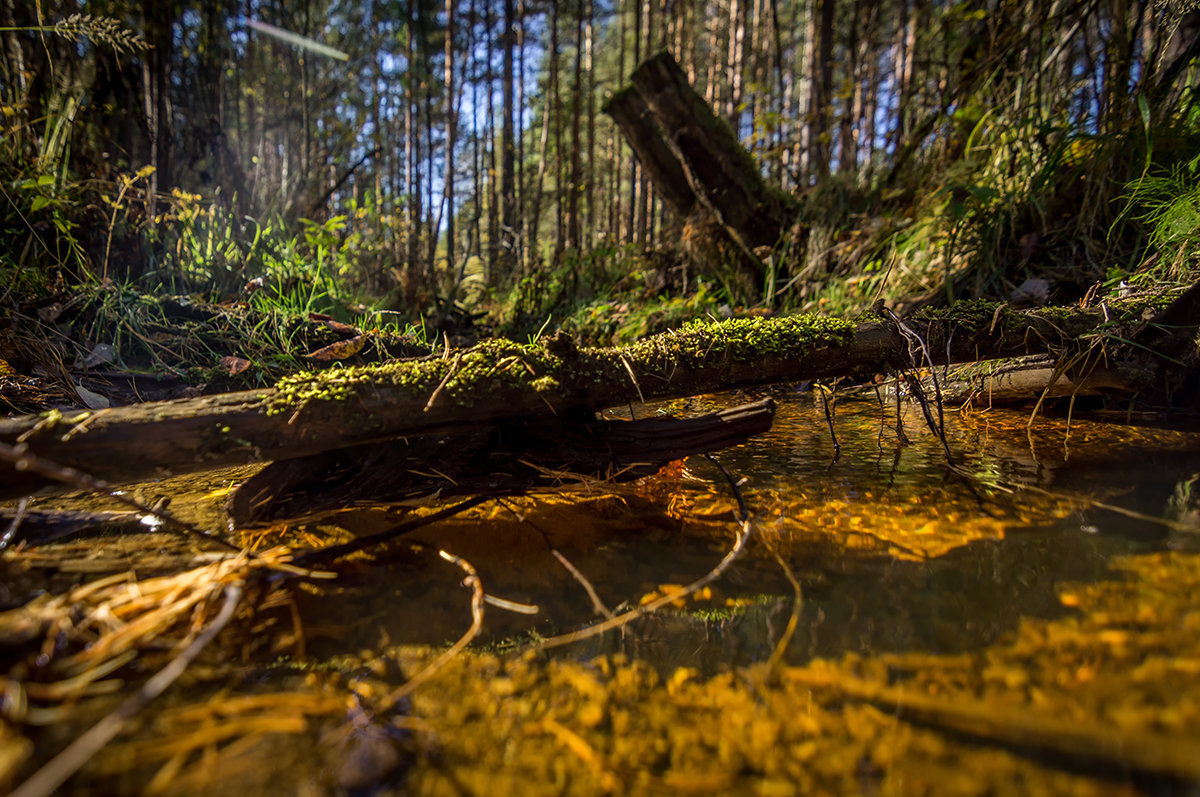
[(1020, 620)]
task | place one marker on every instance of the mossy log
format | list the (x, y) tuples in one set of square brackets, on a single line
[(500, 380)]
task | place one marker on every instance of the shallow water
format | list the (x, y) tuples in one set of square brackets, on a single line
[(1030, 576)]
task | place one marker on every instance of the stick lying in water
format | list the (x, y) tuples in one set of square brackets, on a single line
[(1098, 745)]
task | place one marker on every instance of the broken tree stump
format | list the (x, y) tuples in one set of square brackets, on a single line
[(695, 162)]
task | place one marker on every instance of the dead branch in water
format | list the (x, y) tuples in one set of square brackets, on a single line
[(741, 542), (1099, 745)]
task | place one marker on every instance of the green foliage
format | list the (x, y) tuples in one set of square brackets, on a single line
[(1171, 213), (997, 154), (626, 318)]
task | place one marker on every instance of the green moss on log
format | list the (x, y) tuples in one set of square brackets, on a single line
[(502, 362), (970, 313), (551, 366)]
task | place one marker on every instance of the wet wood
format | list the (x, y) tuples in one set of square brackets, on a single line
[(40, 526), (506, 459), (549, 380), (1021, 380)]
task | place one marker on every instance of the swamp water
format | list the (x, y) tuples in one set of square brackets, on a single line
[(1023, 622)]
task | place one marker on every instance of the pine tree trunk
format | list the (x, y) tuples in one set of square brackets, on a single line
[(508, 201), (451, 129)]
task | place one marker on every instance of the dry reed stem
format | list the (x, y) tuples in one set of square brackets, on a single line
[(54, 773), (112, 619)]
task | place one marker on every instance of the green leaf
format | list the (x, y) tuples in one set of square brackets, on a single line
[(39, 202)]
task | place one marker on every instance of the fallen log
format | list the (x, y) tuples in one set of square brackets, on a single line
[(499, 379), (1020, 380), (505, 459)]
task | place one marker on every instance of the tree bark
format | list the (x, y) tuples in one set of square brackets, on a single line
[(648, 142), (676, 135), (574, 224), (451, 129), (508, 199), (499, 380)]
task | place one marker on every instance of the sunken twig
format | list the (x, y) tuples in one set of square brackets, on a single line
[(20, 457), (744, 534)]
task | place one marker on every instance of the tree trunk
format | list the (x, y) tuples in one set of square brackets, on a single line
[(574, 224), (496, 275), (555, 102), (589, 177), (451, 125), (820, 108), (648, 142), (508, 200), (411, 156), (499, 380), (675, 133)]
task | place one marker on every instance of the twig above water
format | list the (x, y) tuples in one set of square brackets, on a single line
[(745, 532)]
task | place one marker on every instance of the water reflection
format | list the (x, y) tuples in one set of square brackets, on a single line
[(1032, 574), (893, 549)]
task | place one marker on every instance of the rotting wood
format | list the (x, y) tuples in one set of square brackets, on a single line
[(629, 111), (1014, 381), (695, 161), (721, 173), (499, 380), (503, 460)]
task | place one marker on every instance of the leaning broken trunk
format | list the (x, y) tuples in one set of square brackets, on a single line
[(698, 167)]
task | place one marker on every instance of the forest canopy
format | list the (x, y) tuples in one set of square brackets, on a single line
[(414, 155)]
